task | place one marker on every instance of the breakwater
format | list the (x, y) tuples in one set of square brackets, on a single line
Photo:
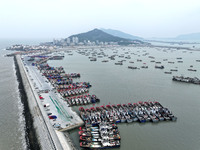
[(40, 133), (31, 138)]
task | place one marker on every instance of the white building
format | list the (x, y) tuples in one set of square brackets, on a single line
[(68, 40), (75, 40)]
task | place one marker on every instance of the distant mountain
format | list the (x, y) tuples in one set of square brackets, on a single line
[(191, 36), (121, 34), (99, 35)]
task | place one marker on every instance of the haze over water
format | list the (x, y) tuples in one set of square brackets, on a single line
[(117, 84)]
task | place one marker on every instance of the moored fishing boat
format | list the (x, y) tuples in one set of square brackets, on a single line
[(107, 137), (173, 69), (159, 67), (168, 72), (119, 63), (132, 67), (192, 70)]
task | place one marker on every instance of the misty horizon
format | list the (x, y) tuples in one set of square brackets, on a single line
[(61, 19)]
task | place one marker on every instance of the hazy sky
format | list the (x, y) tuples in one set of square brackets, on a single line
[(62, 18)]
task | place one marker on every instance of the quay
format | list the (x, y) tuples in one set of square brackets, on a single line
[(39, 95)]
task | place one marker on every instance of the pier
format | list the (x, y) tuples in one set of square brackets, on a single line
[(39, 94)]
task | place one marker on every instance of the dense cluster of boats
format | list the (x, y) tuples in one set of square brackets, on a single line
[(194, 80), (103, 135), (141, 111), (72, 92), (82, 100), (127, 55)]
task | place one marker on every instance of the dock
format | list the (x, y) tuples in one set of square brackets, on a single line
[(49, 136)]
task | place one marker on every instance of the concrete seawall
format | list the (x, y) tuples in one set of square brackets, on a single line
[(41, 132), (31, 138)]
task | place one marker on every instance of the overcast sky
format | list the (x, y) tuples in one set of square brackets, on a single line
[(62, 18)]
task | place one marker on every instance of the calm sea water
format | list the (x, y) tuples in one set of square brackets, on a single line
[(118, 84), (12, 123)]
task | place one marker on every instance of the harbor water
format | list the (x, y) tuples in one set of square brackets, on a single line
[(115, 84)]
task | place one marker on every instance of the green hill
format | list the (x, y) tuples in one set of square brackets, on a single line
[(100, 36)]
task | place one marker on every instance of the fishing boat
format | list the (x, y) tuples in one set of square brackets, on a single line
[(145, 67), (173, 69), (132, 67), (158, 62), (119, 63), (180, 61), (159, 67), (192, 70), (168, 72), (93, 59)]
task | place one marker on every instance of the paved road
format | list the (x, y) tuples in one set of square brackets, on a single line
[(66, 116)]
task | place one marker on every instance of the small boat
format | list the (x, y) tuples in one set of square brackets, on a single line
[(168, 72), (93, 59), (145, 67), (192, 70), (160, 67), (131, 67), (180, 61), (152, 57), (85, 144), (119, 63), (104, 60), (123, 119), (158, 62), (173, 70)]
